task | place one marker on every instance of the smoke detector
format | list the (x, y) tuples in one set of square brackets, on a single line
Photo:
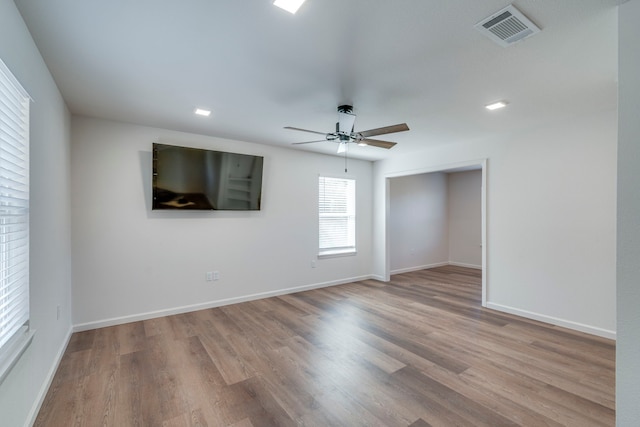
[(507, 26)]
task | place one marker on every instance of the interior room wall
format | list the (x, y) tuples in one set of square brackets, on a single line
[(464, 197), (435, 219), (418, 222), (131, 262), (628, 254), (551, 199), (50, 242)]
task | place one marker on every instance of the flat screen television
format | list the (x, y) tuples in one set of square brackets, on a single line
[(196, 179)]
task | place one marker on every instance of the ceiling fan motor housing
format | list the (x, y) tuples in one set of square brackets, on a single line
[(346, 122)]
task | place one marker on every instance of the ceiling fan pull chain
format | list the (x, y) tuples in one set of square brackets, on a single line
[(345, 161)]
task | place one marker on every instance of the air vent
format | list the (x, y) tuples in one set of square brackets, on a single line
[(507, 26)]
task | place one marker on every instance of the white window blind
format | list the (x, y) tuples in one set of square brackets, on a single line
[(14, 207), (337, 215)]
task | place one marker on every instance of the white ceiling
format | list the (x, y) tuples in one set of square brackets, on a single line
[(259, 68)]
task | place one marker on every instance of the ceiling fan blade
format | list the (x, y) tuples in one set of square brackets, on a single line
[(308, 142), (305, 130), (387, 129), (377, 143)]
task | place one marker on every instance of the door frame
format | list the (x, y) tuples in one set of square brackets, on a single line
[(453, 167)]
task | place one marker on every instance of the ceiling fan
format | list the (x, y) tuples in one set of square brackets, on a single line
[(345, 134)]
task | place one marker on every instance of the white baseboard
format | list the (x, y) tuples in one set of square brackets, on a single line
[(33, 414), (554, 321), (419, 267), (462, 264), (219, 303), (437, 264), (210, 304)]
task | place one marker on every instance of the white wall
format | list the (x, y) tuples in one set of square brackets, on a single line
[(628, 343), (551, 199), (464, 196), (418, 222), (50, 242), (435, 219), (131, 262)]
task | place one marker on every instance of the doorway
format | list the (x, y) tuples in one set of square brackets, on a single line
[(425, 247)]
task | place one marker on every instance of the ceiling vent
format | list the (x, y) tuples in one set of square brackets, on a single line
[(507, 26)]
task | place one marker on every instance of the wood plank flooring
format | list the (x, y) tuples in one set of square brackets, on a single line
[(418, 351)]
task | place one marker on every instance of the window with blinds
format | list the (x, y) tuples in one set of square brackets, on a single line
[(337, 215), (14, 213)]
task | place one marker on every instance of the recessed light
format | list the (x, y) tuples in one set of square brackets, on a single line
[(290, 6), (202, 112), (496, 105)]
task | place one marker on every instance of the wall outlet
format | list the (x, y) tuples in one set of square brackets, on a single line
[(209, 276), (216, 275), (313, 263)]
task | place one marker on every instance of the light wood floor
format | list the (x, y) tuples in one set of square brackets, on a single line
[(418, 351)]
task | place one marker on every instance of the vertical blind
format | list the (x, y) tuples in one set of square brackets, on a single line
[(14, 206), (337, 215)]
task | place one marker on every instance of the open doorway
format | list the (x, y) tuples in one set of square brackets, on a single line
[(431, 219)]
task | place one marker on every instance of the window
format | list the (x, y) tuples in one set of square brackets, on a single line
[(14, 220), (337, 215)]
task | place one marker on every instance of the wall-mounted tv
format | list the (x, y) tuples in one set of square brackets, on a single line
[(196, 179)]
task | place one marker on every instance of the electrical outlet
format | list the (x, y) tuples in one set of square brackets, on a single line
[(216, 275), (209, 276), (313, 263)]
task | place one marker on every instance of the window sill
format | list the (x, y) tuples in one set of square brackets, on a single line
[(337, 253), (13, 349)]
